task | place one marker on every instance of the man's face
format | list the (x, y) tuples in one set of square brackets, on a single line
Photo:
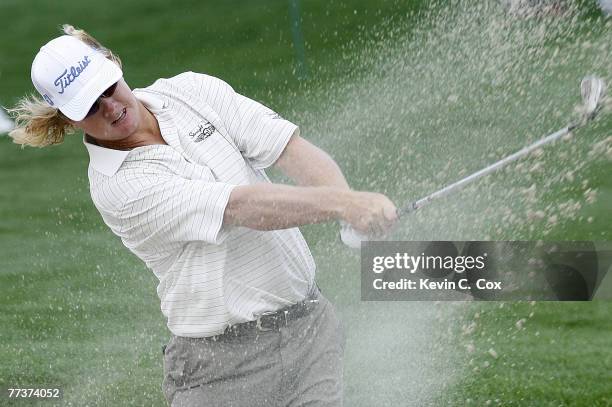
[(116, 116)]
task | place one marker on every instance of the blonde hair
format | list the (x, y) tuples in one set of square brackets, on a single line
[(36, 123)]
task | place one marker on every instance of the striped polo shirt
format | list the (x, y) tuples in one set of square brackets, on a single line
[(166, 203)]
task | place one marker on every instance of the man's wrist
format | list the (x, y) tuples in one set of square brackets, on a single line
[(339, 201)]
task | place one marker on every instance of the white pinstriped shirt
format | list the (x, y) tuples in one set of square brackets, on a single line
[(166, 203)]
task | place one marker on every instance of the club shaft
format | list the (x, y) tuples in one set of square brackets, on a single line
[(413, 206)]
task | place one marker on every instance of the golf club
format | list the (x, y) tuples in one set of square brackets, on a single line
[(592, 90)]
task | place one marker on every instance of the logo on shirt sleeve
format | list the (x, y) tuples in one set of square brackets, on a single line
[(202, 132)]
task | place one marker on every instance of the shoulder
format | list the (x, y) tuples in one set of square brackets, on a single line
[(172, 86), (191, 87), (198, 83)]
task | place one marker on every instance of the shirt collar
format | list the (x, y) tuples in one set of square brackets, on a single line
[(106, 160)]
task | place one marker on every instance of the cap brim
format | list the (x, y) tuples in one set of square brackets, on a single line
[(78, 107)]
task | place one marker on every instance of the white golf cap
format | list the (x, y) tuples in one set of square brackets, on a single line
[(70, 75)]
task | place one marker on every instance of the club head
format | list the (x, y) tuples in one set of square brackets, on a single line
[(593, 90)]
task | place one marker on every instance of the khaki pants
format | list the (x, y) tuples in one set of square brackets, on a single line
[(297, 365)]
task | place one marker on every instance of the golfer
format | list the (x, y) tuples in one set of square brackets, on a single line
[(177, 172)]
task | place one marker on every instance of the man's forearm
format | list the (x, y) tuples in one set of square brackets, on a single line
[(268, 206), (322, 194), (308, 165)]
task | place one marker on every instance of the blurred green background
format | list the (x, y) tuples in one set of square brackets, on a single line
[(79, 312)]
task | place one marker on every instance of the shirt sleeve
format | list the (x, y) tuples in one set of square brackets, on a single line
[(170, 212), (260, 133)]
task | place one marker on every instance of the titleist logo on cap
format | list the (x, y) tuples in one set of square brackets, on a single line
[(67, 77)]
